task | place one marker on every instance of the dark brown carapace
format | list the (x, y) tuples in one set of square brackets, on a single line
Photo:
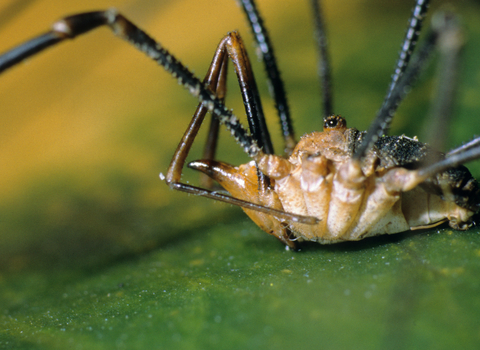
[(331, 186)]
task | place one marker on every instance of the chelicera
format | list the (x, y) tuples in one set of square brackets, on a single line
[(331, 186)]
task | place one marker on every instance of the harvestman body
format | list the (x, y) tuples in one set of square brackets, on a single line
[(331, 186)]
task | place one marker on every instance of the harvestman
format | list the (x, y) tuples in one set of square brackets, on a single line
[(331, 186)]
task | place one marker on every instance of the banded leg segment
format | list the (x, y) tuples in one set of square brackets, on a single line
[(414, 28)]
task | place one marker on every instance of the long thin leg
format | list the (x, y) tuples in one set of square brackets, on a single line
[(231, 44), (324, 70), (251, 99), (260, 132), (399, 83), (409, 42), (210, 148), (30, 48), (248, 87), (450, 162), (385, 115), (70, 27), (447, 38), (273, 74), (469, 145)]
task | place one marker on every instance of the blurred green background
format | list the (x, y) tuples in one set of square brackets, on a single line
[(97, 252)]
